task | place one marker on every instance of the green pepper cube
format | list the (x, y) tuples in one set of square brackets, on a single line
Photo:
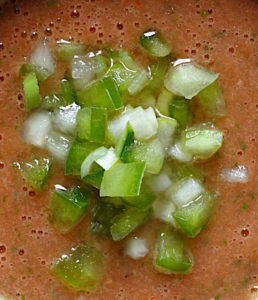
[(68, 206), (36, 172), (82, 267), (172, 254), (102, 215), (127, 221), (180, 109), (31, 90), (101, 93), (191, 219), (202, 142), (122, 180), (92, 123)]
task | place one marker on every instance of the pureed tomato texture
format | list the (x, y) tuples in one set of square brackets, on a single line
[(127, 149)]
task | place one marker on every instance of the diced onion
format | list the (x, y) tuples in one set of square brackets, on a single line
[(42, 57), (136, 247), (64, 118), (143, 123), (188, 80), (237, 174), (159, 183), (36, 128), (163, 209), (185, 192), (178, 153), (108, 160), (58, 145), (90, 159)]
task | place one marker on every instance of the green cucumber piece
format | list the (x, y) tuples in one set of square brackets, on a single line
[(125, 141), (158, 73), (68, 207), (66, 50), (41, 73), (166, 130), (68, 92), (172, 254), (122, 180), (82, 267), (36, 172), (193, 218), (212, 101), (101, 93), (127, 221), (180, 109), (152, 42), (202, 142), (164, 99), (31, 91), (92, 123)]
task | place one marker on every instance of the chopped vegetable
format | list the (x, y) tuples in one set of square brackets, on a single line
[(36, 172), (67, 50), (31, 91), (202, 142), (158, 72), (67, 91), (166, 130), (138, 83), (163, 209), (172, 255), (68, 206), (153, 44), (82, 267), (188, 80), (92, 123), (191, 219), (127, 221), (180, 109), (164, 99), (36, 128), (136, 247), (101, 93), (41, 73), (125, 141), (122, 180)]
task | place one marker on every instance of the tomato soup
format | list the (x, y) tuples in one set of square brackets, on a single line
[(220, 35)]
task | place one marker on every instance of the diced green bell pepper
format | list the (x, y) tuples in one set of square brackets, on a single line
[(191, 219), (127, 221), (101, 93), (36, 172), (122, 180), (82, 267), (172, 255), (68, 206)]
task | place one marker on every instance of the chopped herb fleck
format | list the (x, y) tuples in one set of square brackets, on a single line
[(204, 13), (244, 206), (242, 145), (252, 196), (13, 278), (19, 235), (237, 125), (4, 199), (183, 298), (30, 271), (23, 297), (205, 47), (51, 3), (225, 242), (13, 48), (236, 165), (238, 262), (217, 296), (2, 122), (218, 34), (16, 126), (254, 36)]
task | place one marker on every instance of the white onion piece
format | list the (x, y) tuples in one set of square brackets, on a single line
[(163, 209), (185, 191), (58, 145), (64, 118), (136, 247), (42, 57), (144, 123), (36, 128), (159, 183), (178, 153), (237, 174), (108, 160), (188, 80), (90, 159)]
